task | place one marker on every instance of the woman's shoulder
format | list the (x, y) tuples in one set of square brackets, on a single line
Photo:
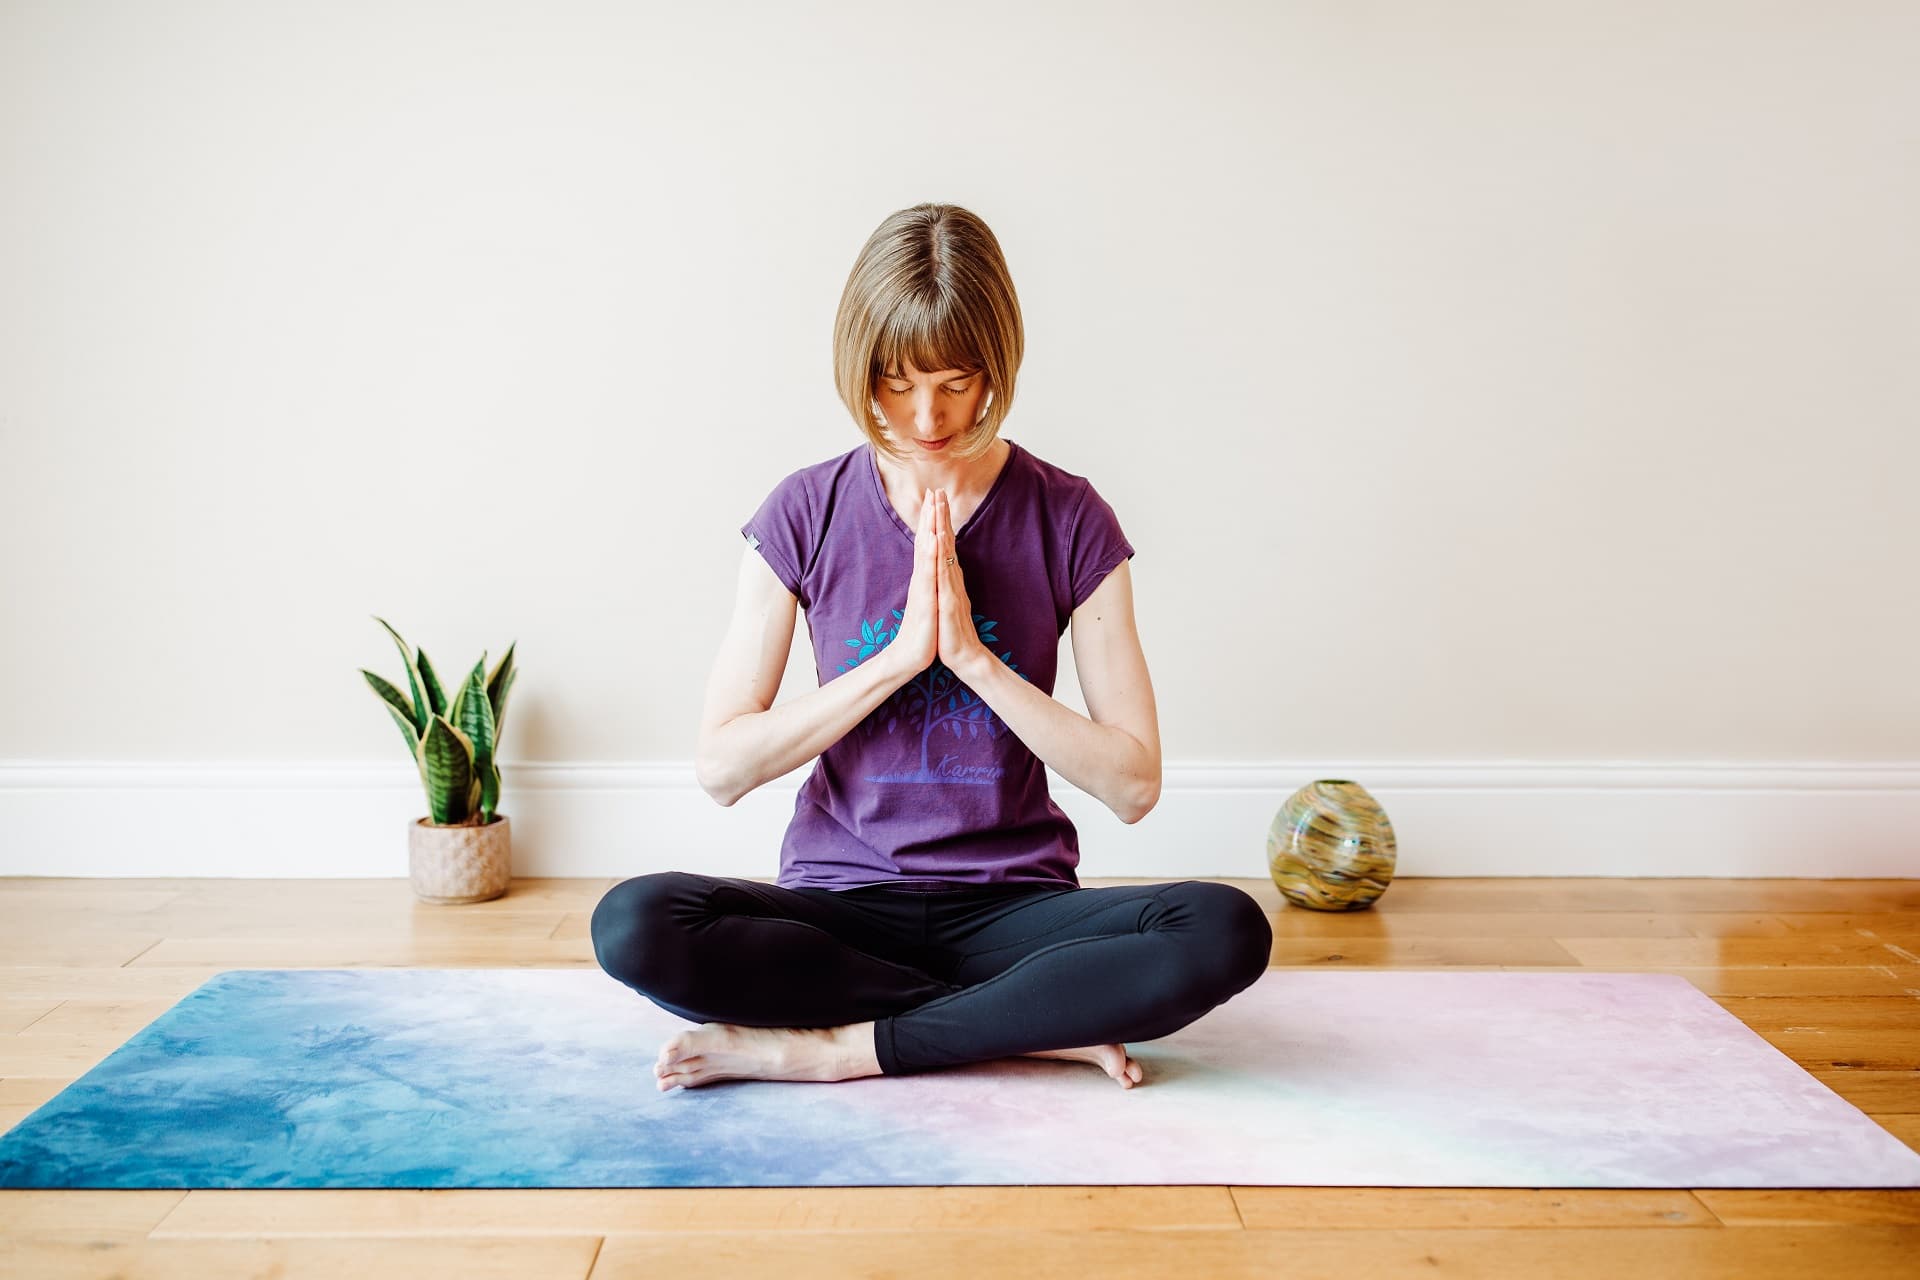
[(1050, 476), (824, 476)]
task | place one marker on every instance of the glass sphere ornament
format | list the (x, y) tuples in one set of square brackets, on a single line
[(1331, 847)]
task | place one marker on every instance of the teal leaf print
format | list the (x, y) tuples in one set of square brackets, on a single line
[(933, 699)]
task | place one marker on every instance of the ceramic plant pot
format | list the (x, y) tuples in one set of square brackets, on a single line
[(1331, 847), (460, 864)]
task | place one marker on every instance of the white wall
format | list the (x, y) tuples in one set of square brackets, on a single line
[(1530, 383)]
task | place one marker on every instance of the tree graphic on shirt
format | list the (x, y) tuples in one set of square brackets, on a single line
[(932, 701)]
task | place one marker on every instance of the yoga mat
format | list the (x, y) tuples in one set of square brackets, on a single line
[(544, 1078)]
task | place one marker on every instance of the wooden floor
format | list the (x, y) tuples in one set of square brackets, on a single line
[(1827, 971)]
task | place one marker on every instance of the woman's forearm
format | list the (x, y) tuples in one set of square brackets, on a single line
[(758, 747), (1103, 761)]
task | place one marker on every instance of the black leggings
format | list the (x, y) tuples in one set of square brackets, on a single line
[(946, 976)]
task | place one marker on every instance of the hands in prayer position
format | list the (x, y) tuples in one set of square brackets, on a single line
[(938, 620)]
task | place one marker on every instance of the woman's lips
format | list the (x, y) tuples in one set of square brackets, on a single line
[(931, 444)]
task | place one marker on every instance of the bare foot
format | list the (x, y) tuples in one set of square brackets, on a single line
[(1110, 1058), (722, 1051)]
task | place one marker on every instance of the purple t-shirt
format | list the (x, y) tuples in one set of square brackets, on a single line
[(932, 790)]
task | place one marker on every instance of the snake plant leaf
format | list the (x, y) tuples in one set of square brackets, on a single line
[(497, 684), (473, 716), (447, 758), (490, 790), (422, 711), (413, 736), (436, 697), (500, 708), (395, 700)]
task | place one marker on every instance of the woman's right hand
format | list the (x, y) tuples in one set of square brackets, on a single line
[(917, 642)]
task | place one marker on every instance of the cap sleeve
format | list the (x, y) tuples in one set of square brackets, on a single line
[(781, 530), (1095, 546)]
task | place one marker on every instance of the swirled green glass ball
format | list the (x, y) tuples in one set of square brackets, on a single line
[(1331, 847)]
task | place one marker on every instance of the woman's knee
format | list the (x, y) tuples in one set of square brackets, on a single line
[(1238, 937), (632, 920)]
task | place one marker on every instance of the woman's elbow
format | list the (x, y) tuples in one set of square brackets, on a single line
[(714, 781), (1143, 802)]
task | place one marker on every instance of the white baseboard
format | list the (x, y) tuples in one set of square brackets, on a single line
[(1815, 821)]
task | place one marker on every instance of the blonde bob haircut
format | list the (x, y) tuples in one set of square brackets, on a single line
[(931, 289)]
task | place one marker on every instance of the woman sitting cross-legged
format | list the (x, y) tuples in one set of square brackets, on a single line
[(927, 911)]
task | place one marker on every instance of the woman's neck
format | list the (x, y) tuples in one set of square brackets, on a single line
[(965, 486)]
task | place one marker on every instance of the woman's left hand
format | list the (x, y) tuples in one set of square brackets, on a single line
[(960, 646)]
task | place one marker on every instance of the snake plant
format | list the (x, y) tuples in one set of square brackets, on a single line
[(455, 745)]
